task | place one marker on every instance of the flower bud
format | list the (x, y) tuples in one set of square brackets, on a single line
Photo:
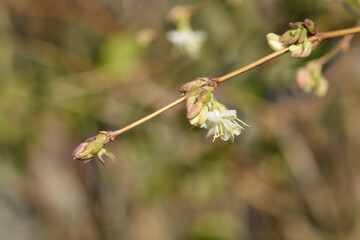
[(190, 86), (90, 147), (194, 110), (93, 146), (322, 87), (290, 36), (190, 102), (310, 25), (303, 79), (274, 42), (194, 87), (296, 24), (301, 50), (86, 150), (198, 93), (200, 118), (303, 35), (205, 96)]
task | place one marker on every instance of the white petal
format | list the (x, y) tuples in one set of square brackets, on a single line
[(213, 117), (174, 36), (229, 114), (211, 131), (226, 136), (205, 125), (230, 125), (238, 132)]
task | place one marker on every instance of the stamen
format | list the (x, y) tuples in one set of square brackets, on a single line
[(234, 131), (247, 125)]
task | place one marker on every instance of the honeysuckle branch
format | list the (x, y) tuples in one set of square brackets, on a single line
[(248, 67), (319, 37), (221, 115)]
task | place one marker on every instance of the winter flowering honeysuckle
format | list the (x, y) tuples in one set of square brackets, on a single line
[(296, 39), (202, 108), (204, 111), (94, 146)]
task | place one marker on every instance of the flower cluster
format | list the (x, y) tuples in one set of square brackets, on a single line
[(187, 41), (204, 111), (94, 146), (310, 79), (296, 39)]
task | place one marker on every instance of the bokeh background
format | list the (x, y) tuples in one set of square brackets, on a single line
[(70, 68)]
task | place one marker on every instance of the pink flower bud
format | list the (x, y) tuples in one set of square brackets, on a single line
[(195, 109), (190, 103), (296, 24), (303, 35), (301, 50), (310, 79), (303, 79), (310, 25), (290, 36), (205, 96), (93, 146)]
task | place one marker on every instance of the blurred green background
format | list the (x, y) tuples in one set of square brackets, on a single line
[(70, 68)]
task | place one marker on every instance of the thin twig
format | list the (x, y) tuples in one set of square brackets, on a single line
[(144, 119), (251, 65)]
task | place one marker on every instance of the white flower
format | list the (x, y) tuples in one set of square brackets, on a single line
[(223, 124), (188, 42)]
